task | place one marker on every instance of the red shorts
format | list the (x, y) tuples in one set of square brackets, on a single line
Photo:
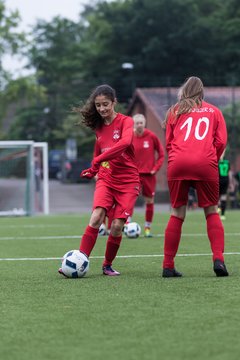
[(207, 192), (107, 198), (148, 184)]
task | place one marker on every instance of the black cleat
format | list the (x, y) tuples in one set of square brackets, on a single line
[(169, 273), (220, 268)]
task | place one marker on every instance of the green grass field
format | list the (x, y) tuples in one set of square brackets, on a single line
[(136, 316)]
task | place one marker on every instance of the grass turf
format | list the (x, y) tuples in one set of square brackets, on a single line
[(138, 315)]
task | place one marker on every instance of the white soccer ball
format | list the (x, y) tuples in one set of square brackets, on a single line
[(75, 264), (132, 230), (102, 230)]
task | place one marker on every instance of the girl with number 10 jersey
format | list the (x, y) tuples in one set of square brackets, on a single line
[(196, 136)]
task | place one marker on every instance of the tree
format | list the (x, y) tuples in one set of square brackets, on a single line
[(164, 40), (230, 35), (232, 116), (17, 102), (10, 40)]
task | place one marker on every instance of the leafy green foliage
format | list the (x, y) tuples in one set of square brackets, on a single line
[(10, 40), (164, 40), (232, 116)]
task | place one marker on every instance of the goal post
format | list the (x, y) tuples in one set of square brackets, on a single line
[(23, 178), (43, 176)]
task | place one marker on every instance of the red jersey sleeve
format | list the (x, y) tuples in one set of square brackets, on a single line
[(97, 150), (220, 139), (160, 151), (169, 136)]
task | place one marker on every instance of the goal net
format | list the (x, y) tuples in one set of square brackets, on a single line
[(23, 178)]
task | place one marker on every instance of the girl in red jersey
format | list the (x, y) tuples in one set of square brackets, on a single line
[(149, 155), (196, 136), (117, 184)]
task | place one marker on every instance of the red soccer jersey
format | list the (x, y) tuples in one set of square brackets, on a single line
[(114, 149), (149, 152), (195, 143)]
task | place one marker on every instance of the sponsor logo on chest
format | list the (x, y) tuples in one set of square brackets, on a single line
[(146, 144)]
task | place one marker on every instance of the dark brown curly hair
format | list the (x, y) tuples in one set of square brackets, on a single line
[(89, 115)]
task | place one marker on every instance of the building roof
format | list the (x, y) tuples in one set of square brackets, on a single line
[(160, 99)]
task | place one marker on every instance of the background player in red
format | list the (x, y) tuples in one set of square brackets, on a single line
[(117, 182), (196, 136), (149, 155)]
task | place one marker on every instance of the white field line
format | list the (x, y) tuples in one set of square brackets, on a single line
[(101, 257), (3, 238), (119, 257)]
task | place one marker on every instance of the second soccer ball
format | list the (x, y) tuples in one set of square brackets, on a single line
[(132, 230)]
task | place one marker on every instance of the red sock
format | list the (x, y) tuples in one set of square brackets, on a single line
[(215, 232), (149, 212), (113, 244), (171, 241), (88, 240)]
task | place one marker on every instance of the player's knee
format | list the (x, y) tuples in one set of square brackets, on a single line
[(97, 218), (95, 222), (116, 228), (149, 200)]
